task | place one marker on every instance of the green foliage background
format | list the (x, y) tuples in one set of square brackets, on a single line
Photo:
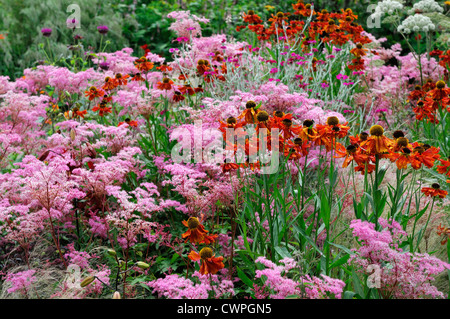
[(137, 22)]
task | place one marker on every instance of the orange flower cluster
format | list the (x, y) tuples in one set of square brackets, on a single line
[(365, 149), (358, 62), (109, 85), (336, 28), (444, 58), (143, 65), (430, 99), (196, 233), (129, 122), (294, 140)]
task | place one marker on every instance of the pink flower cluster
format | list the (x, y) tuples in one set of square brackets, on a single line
[(177, 287), (276, 279), (21, 281), (403, 275)]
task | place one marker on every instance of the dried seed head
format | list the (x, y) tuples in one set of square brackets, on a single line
[(406, 150), (250, 104), (363, 136), (440, 84), (279, 114), (193, 222), (402, 142), (287, 122), (435, 185), (206, 253), (231, 120), (376, 130), (308, 123), (351, 148), (332, 120), (419, 149), (72, 134), (398, 134), (262, 116)]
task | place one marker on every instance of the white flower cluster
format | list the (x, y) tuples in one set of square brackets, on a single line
[(386, 7), (416, 23), (426, 6)]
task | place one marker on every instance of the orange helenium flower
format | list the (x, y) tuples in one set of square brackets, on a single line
[(377, 143), (210, 264), (197, 232), (434, 191)]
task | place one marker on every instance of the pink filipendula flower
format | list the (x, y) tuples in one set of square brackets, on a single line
[(200, 287), (280, 285), (186, 25), (21, 281)]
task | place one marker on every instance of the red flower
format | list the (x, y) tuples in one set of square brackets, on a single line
[(137, 77), (93, 92), (210, 264), (196, 232), (146, 49), (121, 79), (143, 65), (102, 109), (166, 84), (434, 191), (164, 68), (129, 122), (177, 97)]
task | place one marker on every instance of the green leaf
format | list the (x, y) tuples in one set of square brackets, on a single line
[(244, 277), (340, 261), (283, 252), (357, 284)]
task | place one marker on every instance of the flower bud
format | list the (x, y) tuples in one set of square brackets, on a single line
[(116, 295), (111, 252), (142, 265), (87, 281), (72, 134)]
